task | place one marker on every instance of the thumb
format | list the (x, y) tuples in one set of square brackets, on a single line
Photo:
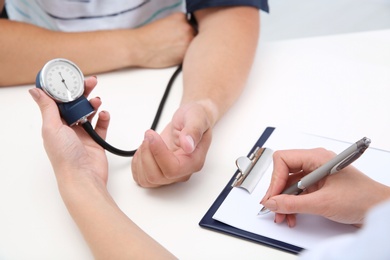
[(187, 142), (192, 133), (291, 204), (47, 106)]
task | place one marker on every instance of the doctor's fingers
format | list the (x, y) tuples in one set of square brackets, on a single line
[(89, 84), (102, 124), (49, 111)]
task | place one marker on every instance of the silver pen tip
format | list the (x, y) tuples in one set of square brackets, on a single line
[(367, 141), (263, 211)]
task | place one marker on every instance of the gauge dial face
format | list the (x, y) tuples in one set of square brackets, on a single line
[(62, 80)]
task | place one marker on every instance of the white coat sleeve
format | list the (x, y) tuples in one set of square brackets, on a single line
[(370, 242)]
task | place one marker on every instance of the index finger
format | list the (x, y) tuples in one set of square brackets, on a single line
[(89, 84), (287, 162)]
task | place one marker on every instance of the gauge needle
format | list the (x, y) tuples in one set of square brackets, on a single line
[(63, 81)]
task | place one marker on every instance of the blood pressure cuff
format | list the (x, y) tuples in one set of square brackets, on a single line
[(194, 5), (3, 14)]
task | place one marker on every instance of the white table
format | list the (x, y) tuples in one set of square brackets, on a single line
[(335, 86)]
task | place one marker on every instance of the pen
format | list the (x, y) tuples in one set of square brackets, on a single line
[(336, 164)]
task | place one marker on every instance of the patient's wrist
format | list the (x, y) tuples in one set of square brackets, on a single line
[(211, 109)]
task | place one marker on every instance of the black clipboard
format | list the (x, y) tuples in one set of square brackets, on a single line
[(209, 223)]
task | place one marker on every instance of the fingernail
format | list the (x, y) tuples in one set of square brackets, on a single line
[(289, 224), (34, 93), (271, 205), (103, 112), (149, 137), (191, 142)]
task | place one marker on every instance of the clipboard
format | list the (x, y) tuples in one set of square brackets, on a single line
[(209, 223), (235, 211)]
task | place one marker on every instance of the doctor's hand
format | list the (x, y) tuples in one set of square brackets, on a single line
[(74, 156), (344, 197), (179, 152)]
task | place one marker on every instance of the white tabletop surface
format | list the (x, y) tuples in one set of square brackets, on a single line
[(335, 86)]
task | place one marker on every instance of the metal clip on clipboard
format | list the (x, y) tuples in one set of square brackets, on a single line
[(252, 168)]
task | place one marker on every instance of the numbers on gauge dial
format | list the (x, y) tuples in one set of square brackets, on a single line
[(64, 81)]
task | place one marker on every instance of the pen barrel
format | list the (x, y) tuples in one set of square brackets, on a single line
[(327, 168), (293, 189)]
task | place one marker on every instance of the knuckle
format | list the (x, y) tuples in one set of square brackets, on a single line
[(169, 175), (277, 154), (153, 179), (322, 152), (289, 207)]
